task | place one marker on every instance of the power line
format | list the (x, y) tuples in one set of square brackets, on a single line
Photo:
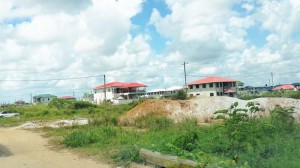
[(42, 80)]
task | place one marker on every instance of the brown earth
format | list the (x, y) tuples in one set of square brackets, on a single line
[(202, 108), (27, 149)]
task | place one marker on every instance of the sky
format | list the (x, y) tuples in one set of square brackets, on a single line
[(146, 41)]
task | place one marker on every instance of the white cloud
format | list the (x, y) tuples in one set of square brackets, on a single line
[(248, 7), (43, 39)]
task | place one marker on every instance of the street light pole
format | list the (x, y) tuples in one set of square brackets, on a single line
[(104, 87)]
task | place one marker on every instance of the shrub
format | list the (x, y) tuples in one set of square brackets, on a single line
[(180, 95), (126, 155), (75, 139), (82, 105), (282, 118), (187, 141)]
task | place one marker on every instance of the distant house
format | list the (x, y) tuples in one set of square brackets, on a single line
[(20, 102), (43, 98), (88, 97), (285, 87), (68, 97), (119, 92), (213, 86), (255, 90), (159, 93)]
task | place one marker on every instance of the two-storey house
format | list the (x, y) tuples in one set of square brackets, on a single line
[(213, 86), (119, 92)]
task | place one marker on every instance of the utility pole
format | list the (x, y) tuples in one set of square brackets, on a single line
[(104, 87), (184, 63), (30, 98), (272, 80)]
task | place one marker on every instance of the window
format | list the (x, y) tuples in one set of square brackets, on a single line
[(198, 94), (221, 84), (108, 90), (211, 85), (191, 86), (197, 86), (211, 94), (218, 94), (217, 85), (233, 84), (203, 85)]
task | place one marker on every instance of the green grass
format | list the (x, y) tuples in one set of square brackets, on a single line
[(239, 141)]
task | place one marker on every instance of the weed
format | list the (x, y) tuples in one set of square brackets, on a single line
[(282, 118), (154, 122)]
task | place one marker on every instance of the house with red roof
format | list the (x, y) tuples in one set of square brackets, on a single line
[(213, 86), (119, 92), (68, 97), (285, 87)]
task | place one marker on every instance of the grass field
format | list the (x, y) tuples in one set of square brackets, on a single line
[(238, 140)]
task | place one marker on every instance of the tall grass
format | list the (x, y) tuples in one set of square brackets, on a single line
[(257, 143)]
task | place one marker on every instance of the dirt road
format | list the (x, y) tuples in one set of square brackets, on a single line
[(26, 149)]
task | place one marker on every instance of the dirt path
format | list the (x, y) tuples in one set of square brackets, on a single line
[(26, 149)]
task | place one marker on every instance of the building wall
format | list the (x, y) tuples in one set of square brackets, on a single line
[(161, 94), (210, 89), (112, 95), (43, 100), (99, 95)]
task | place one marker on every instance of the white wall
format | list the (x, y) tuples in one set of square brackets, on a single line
[(207, 91)]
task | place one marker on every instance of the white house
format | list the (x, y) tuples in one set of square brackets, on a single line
[(212, 86), (119, 92), (159, 93)]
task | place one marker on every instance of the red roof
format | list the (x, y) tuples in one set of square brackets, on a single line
[(121, 85), (134, 85), (230, 91), (111, 84), (212, 79), (67, 97), (284, 87)]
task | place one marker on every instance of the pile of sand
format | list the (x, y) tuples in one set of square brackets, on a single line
[(202, 108)]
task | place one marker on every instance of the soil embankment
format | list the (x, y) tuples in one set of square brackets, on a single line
[(203, 108)]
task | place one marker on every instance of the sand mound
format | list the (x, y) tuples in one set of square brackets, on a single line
[(202, 108)]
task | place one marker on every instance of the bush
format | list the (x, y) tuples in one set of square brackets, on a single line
[(75, 139), (126, 155), (282, 118), (61, 103), (187, 141), (180, 95)]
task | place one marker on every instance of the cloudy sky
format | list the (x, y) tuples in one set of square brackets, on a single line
[(144, 41)]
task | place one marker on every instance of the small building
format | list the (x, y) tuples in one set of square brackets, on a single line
[(119, 92), (161, 93), (255, 90), (20, 102), (68, 97), (285, 87), (88, 97), (213, 86), (43, 98)]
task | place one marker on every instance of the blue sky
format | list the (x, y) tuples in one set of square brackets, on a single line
[(245, 40), (142, 19)]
